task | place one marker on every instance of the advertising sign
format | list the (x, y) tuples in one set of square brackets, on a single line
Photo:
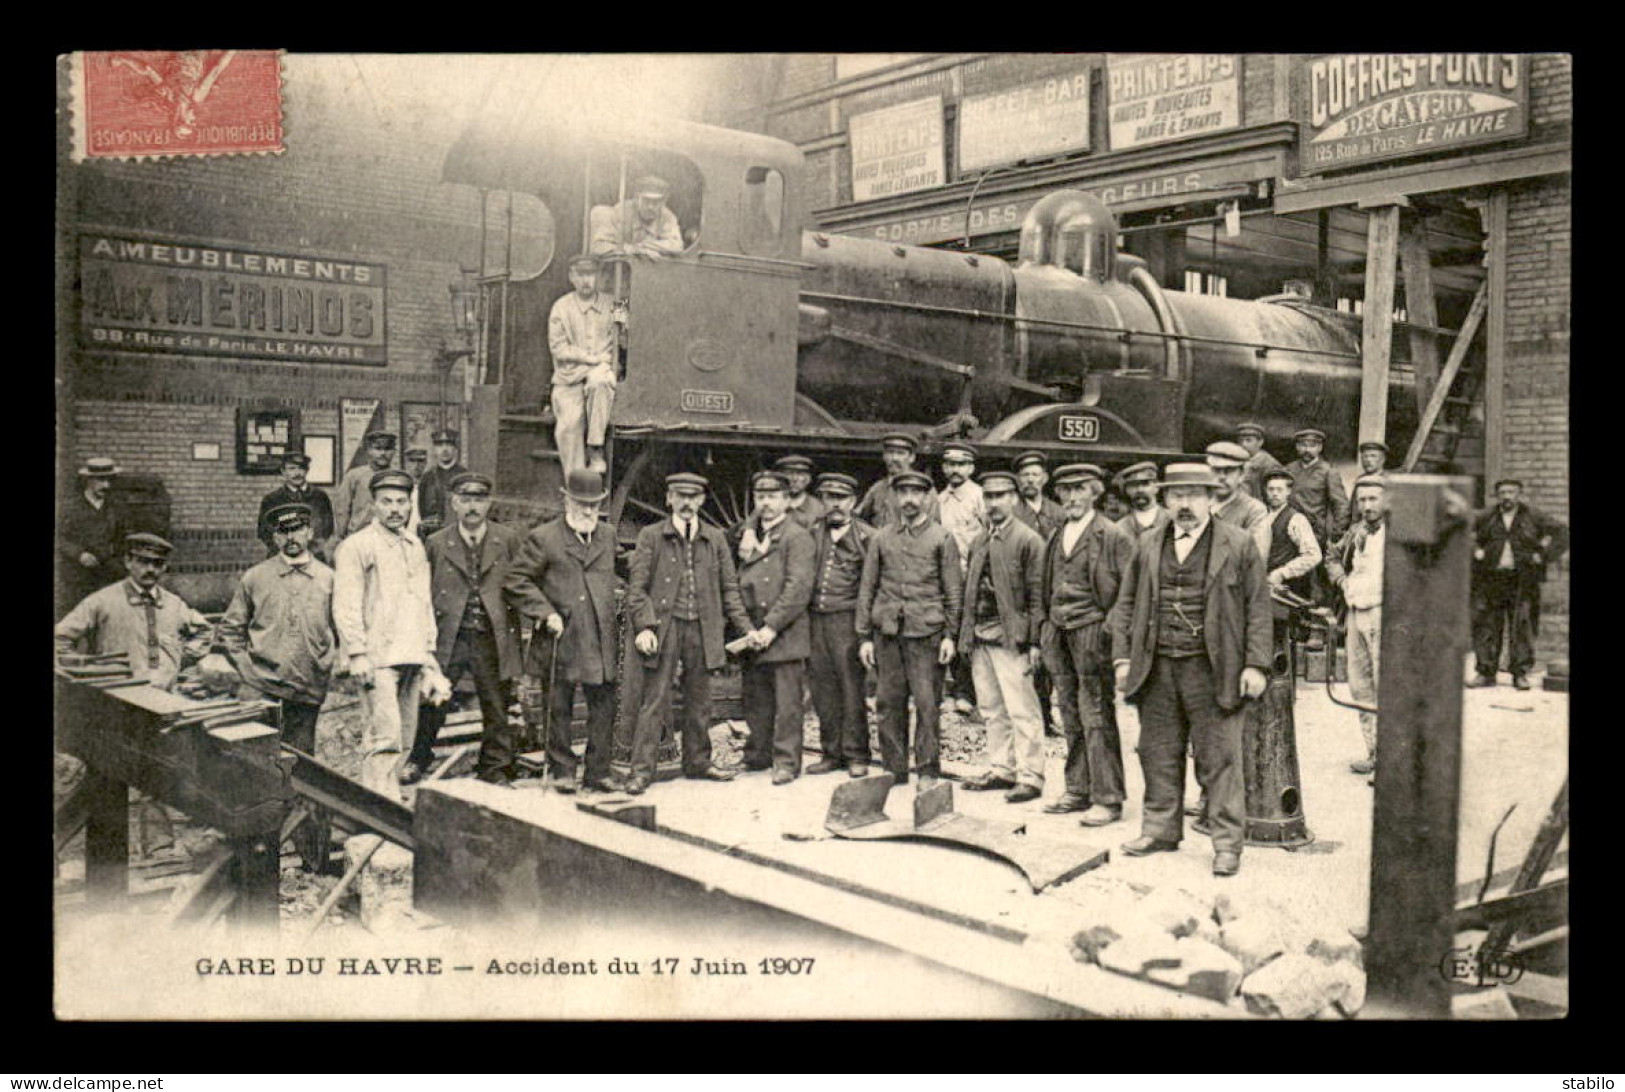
[(1032, 120), (897, 150), (1358, 107), (1153, 97), (186, 299)]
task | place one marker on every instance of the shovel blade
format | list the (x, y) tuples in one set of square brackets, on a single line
[(858, 803)]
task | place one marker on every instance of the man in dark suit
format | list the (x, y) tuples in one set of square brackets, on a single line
[(1318, 488), (434, 487), (1043, 515), (683, 586), (1514, 544), (564, 580), (775, 582), (468, 563), (296, 490), (840, 544), (89, 546), (1191, 640), (801, 506), (1083, 566)]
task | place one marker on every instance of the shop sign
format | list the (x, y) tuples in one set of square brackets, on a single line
[(1153, 97), (1033, 120), (196, 300), (897, 150), (1358, 107)]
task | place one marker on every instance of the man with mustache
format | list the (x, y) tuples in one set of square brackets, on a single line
[(353, 499), (840, 546), (434, 487), (1373, 454), (1191, 641), (908, 613), (1355, 567), (1317, 488), (1146, 513), (1043, 515), (800, 505), (879, 504), (964, 514), (296, 489), (1231, 503), (89, 548), (1514, 543), (1251, 438)]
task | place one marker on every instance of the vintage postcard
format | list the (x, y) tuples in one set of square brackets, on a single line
[(833, 536)]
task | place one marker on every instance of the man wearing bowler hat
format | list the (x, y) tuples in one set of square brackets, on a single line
[(296, 489), (1083, 566), (840, 544), (907, 618), (89, 548), (683, 586), (640, 225), (999, 629), (1251, 437), (353, 499), (581, 338), (477, 633), (800, 505), (384, 613), (1513, 544), (153, 626), (879, 504), (564, 581), (1231, 502), (434, 487), (775, 582), (1146, 513), (1191, 641)]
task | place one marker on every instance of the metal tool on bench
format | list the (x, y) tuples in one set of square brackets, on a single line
[(857, 810)]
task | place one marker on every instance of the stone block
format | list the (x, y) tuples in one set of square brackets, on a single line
[(1175, 911), (1353, 978), (1292, 987), (1254, 940), (1204, 969), (1140, 952), (1329, 944)]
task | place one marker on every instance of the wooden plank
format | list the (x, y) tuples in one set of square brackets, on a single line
[(1458, 353), (1535, 863), (1377, 326), (1421, 305), (1495, 228), (1508, 910)]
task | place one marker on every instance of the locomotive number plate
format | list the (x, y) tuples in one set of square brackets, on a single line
[(1079, 429), (708, 401)]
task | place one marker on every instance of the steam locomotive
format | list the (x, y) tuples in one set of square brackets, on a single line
[(761, 339)]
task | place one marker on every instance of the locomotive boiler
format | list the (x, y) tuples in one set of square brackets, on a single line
[(761, 339)]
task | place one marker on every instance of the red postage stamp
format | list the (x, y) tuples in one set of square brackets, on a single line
[(143, 103)]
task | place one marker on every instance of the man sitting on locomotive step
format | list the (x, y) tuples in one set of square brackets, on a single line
[(1000, 625), (682, 587), (642, 224), (879, 504), (908, 615), (581, 337)]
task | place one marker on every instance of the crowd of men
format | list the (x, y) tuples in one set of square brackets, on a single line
[(404, 586)]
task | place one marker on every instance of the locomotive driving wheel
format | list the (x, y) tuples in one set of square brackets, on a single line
[(639, 495)]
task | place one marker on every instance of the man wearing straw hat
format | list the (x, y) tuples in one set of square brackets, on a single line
[(89, 552), (1191, 641), (564, 581)]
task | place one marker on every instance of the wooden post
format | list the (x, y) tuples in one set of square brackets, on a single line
[(1376, 339), (1495, 230), (1425, 635), (1325, 269), (1421, 306), (255, 861), (107, 839)]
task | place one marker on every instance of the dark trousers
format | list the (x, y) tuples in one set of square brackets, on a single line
[(474, 653), (837, 688), (561, 760), (311, 839), (907, 667), (299, 725), (1044, 687), (771, 695), (1504, 601), (682, 644), (1178, 708), (1094, 751)]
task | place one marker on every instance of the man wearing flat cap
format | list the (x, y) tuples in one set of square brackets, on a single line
[(879, 504), (1146, 513), (581, 336), (434, 487), (800, 504), (1251, 437), (1231, 502), (353, 499), (683, 587), (1318, 488), (1355, 568), (89, 547), (775, 582), (839, 546), (153, 626), (296, 489), (477, 632), (641, 224), (1191, 641), (908, 615), (999, 630), (384, 613), (1083, 566), (563, 581), (1034, 508), (1373, 455), (1513, 544), (965, 516)]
